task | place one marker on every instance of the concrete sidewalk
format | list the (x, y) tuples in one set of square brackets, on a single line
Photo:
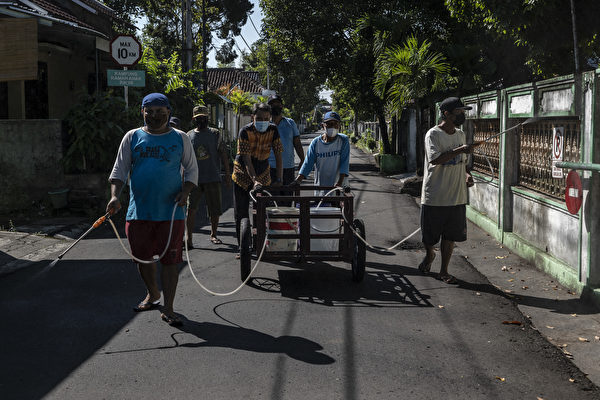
[(45, 239), (560, 315)]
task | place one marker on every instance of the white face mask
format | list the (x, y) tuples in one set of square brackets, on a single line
[(261, 126), (332, 132)]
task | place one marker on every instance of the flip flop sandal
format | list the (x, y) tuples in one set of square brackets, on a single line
[(215, 240), (449, 279), (147, 306), (172, 321), (425, 269)]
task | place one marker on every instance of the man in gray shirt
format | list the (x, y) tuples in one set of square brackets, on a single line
[(210, 152)]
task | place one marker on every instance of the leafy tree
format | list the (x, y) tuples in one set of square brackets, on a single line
[(163, 31), (290, 75), (404, 74), (242, 102), (541, 31)]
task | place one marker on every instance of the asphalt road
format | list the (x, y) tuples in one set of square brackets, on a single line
[(299, 331)]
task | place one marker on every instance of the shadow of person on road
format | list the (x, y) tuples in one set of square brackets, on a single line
[(236, 337)]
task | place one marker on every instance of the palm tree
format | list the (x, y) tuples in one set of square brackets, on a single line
[(242, 101), (404, 74)]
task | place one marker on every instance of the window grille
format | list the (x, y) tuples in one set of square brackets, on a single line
[(535, 167), (484, 128)]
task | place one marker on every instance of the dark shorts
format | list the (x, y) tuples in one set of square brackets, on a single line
[(447, 222), (149, 238), (212, 195), (288, 175)]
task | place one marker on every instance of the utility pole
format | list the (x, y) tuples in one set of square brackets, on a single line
[(187, 36), (204, 71), (575, 49)]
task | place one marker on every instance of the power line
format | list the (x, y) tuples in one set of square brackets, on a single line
[(245, 42), (250, 18)]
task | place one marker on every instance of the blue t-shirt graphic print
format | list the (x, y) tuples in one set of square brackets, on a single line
[(155, 176)]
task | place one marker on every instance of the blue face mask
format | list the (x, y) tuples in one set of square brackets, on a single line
[(261, 126)]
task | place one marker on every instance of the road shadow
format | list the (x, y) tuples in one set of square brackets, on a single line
[(240, 338), (51, 325), (331, 285)]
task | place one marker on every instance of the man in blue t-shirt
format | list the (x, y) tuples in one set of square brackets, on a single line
[(154, 156), (290, 140), (329, 154)]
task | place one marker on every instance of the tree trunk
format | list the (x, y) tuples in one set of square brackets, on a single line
[(420, 141), (383, 131), (394, 144)]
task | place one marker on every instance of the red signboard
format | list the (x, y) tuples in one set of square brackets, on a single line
[(573, 192)]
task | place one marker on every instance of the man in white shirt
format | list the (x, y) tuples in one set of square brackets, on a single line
[(445, 181)]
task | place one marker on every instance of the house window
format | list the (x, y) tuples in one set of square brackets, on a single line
[(3, 100), (36, 94)]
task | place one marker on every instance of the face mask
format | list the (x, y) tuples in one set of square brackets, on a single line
[(156, 122), (202, 122), (459, 120), (332, 132), (261, 126), (275, 111)]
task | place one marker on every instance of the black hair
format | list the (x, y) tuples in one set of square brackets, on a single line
[(261, 107)]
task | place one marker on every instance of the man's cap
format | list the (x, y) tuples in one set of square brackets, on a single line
[(200, 110), (274, 97), (174, 121), (453, 103), (331, 116), (156, 99)]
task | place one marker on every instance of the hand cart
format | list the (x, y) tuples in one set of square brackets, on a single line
[(302, 231)]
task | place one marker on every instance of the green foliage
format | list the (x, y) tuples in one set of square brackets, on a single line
[(163, 31), (167, 76), (539, 32), (403, 74), (291, 75), (95, 128), (242, 101), (367, 142)]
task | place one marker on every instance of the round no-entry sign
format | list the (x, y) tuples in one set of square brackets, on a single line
[(573, 192), (125, 50)]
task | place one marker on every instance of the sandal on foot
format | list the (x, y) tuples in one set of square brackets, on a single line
[(147, 306), (215, 240), (172, 321), (237, 256), (424, 268), (449, 279)]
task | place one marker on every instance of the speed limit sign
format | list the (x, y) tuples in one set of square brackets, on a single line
[(125, 50)]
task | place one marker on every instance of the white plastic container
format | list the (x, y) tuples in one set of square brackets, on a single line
[(329, 225), (282, 226)]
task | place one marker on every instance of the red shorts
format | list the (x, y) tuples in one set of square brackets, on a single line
[(149, 238)]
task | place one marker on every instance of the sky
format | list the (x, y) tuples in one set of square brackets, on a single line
[(249, 34)]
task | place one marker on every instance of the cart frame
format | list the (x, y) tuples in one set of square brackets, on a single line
[(350, 249)]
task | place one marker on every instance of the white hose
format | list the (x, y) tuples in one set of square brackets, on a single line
[(155, 259)]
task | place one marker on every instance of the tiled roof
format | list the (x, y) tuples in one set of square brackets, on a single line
[(52, 10), (60, 13), (248, 81), (98, 6)]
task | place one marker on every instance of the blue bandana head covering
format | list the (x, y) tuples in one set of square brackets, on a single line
[(156, 99)]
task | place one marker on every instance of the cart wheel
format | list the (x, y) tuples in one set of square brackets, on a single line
[(359, 258), (245, 248)]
